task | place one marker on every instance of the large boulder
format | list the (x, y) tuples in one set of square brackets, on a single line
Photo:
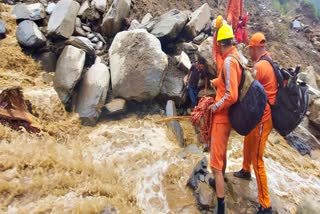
[(100, 5), (205, 51), (84, 8), (93, 92), (169, 25), (172, 85), (314, 116), (29, 35), (68, 71), (62, 21), (137, 64), (48, 61), (83, 43), (198, 22), (2, 30), (112, 21), (187, 47), (310, 77), (31, 12), (184, 62)]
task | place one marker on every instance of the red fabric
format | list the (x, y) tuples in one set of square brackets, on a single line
[(241, 33)]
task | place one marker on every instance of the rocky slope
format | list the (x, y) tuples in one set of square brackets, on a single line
[(128, 163)]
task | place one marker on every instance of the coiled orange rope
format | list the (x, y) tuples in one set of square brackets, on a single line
[(202, 117)]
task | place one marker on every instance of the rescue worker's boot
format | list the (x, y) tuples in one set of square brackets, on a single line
[(242, 174), (264, 210)]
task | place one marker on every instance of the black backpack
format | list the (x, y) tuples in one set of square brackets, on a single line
[(291, 101), (247, 112)]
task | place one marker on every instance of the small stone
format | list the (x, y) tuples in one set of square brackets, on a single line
[(201, 178), (101, 38), (95, 40), (80, 32), (51, 8), (90, 36), (98, 60), (99, 45), (116, 106), (78, 22), (86, 28)]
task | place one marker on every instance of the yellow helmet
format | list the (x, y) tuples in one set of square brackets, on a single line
[(219, 21), (225, 32)]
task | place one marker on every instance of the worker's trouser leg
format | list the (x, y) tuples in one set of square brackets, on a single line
[(218, 153), (254, 148)]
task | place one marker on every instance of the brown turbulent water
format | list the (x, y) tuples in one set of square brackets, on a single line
[(132, 165)]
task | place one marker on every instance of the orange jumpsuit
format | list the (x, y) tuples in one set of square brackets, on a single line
[(255, 141), (227, 94), (234, 10)]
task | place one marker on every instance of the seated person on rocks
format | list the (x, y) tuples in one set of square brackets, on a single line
[(197, 71)]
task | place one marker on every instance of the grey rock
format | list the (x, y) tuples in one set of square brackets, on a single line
[(84, 8), (101, 38), (95, 40), (314, 116), (205, 51), (99, 45), (100, 5), (174, 125), (205, 196), (68, 72), (2, 30), (83, 43), (112, 21), (198, 22), (146, 19), (78, 22), (310, 77), (50, 8), (86, 28), (63, 18), (296, 25), (90, 36), (199, 169), (184, 62), (92, 93), (79, 32), (298, 143), (29, 35), (98, 60), (116, 106), (200, 38), (170, 25), (134, 25), (172, 85), (48, 61), (32, 12), (189, 47), (136, 76)]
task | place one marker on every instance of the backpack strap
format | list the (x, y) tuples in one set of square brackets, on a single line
[(242, 71), (279, 78)]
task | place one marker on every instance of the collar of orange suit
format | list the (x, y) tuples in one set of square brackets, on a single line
[(231, 50), (264, 54)]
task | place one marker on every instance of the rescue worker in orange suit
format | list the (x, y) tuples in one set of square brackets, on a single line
[(234, 11), (255, 141), (226, 85), (217, 58)]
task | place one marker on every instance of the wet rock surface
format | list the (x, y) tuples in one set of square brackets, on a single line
[(174, 125)]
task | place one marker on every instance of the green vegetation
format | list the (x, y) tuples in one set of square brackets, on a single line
[(285, 6)]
